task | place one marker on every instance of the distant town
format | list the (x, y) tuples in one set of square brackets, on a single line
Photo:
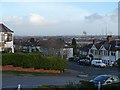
[(59, 54), (105, 47)]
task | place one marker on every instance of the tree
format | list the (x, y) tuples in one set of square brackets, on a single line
[(32, 40), (60, 43), (74, 45)]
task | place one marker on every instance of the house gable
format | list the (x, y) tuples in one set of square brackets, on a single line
[(102, 48), (93, 47), (3, 28)]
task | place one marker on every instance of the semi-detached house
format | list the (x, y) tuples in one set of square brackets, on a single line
[(6, 39), (108, 50)]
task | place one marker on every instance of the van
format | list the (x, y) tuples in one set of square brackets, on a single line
[(98, 63)]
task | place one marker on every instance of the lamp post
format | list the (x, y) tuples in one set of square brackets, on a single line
[(19, 86), (99, 85)]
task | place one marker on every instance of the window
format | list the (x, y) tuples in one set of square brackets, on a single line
[(95, 52), (2, 37), (91, 51), (99, 52), (105, 53), (9, 37), (112, 53)]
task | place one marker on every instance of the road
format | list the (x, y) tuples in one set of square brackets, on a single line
[(31, 81), (74, 73), (92, 71)]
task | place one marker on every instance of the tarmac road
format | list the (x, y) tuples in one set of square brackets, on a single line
[(74, 73)]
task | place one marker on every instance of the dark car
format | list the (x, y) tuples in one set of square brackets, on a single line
[(84, 62), (76, 59), (105, 79), (115, 64)]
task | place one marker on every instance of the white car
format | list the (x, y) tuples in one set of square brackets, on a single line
[(98, 63)]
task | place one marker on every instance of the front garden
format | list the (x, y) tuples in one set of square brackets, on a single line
[(33, 60)]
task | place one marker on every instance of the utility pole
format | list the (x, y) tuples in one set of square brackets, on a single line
[(99, 86), (19, 86)]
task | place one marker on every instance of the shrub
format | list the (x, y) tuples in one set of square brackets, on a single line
[(82, 56), (83, 85), (86, 85), (118, 61), (73, 86), (71, 59), (49, 88), (115, 86), (33, 60)]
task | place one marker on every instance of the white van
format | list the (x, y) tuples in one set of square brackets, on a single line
[(98, 63)]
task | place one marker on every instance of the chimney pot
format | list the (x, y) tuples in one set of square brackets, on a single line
[(94, 41), (109, 38)]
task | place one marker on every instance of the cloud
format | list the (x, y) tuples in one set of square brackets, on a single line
[(35, 24), (37, 19), (13, 19), (58, 11), (114, 16), (106, 18), (94, 17), (101, 24), (33, 19), (60, 19)]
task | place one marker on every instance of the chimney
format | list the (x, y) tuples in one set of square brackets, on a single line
[(109, 38), (94, 41)]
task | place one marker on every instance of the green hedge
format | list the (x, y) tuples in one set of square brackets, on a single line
[(118, 61), (86, 85), (36, 61), (115, 86), (83, 85)]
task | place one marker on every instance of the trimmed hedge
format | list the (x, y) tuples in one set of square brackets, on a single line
[(86, 85), (118, 61), (33, 60), (115, 86)]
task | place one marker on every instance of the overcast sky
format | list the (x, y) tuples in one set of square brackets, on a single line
[(60, 18)]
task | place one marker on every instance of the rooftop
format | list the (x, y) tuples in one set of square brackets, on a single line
[(3, 28)]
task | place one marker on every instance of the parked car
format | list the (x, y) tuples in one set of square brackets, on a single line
[(105, 79), (73, 59), (84, 62), (76, 59), (115, 64), (98, 63)]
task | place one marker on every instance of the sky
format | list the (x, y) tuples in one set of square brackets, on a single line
[(60, 18)]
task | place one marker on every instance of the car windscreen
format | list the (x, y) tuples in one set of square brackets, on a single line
[(101, 79)]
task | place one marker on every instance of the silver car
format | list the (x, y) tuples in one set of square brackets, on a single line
[(105, 79)]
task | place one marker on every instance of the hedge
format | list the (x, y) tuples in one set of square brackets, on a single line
[(33, 60), (118, 61), (85, 85)]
